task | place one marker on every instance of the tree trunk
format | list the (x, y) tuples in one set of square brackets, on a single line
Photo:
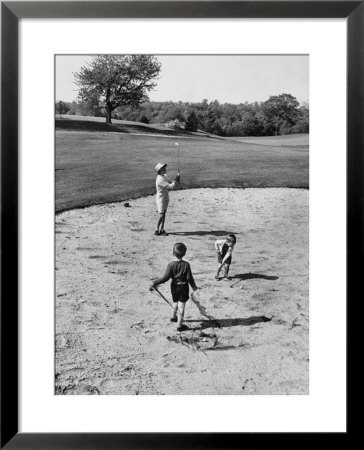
[(108, 116), (108, 107)]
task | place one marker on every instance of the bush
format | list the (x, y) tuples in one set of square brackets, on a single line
[(175, 124), (144, 119)]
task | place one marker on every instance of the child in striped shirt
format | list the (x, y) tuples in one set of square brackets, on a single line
[(224, 249)]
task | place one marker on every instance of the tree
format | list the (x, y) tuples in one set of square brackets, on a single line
[(208, 119), (191, 122), (62, 108), (117, 80), (302, 124), (91, 107), (252, 123), (282, 111)]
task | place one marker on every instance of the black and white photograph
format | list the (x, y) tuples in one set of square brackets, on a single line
[(181, 224)]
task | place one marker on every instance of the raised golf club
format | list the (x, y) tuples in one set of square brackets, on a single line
[(178, 172)]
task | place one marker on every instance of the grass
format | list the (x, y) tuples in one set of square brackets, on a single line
[(291, 140), (98, 163)]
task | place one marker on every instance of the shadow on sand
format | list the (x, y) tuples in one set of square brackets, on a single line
[(249, 276), (203, 233), (226, 323)]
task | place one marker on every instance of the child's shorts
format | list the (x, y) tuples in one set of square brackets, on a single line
[(221, 255), (180, 293)]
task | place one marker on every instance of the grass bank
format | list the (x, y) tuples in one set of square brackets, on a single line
[(101, 164)]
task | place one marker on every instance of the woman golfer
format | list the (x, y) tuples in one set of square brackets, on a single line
[(163, 185)]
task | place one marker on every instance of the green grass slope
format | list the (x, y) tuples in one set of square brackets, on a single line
[(99, 163), (290, 140)]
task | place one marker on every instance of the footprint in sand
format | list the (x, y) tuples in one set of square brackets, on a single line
[(248, 385)]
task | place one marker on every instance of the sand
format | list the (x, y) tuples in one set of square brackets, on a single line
[(249, 335)]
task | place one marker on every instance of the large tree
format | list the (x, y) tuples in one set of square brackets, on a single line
[(281, 111), (115, 81)]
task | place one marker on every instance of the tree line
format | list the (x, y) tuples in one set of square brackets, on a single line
[(279, 115), (117, 87)]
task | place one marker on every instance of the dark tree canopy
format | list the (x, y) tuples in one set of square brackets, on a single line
[(113, 81), (282, 111), (191, 122)]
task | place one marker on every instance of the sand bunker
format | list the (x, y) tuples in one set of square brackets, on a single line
[(248, 335)]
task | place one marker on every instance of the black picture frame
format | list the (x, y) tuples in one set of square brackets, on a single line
[(11, 12)]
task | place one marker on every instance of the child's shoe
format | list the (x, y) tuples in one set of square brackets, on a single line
[(173, 319), (163, 233), (157, 232)]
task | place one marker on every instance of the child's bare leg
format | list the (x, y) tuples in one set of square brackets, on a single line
[(218, 271), (226, 272), (174, 314), (181, 312)]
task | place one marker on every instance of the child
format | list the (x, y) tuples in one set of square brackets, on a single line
[(180, 273), (163, 185), (224, 248)]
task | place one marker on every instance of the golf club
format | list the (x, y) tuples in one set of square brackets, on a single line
[(177, 144), (164, 298)]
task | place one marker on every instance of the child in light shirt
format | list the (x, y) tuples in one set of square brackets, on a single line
[(163, 185)]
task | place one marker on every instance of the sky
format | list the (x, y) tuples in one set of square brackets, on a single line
[(225, 78)]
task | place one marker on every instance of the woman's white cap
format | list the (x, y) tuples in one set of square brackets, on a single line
[(159, 166)]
